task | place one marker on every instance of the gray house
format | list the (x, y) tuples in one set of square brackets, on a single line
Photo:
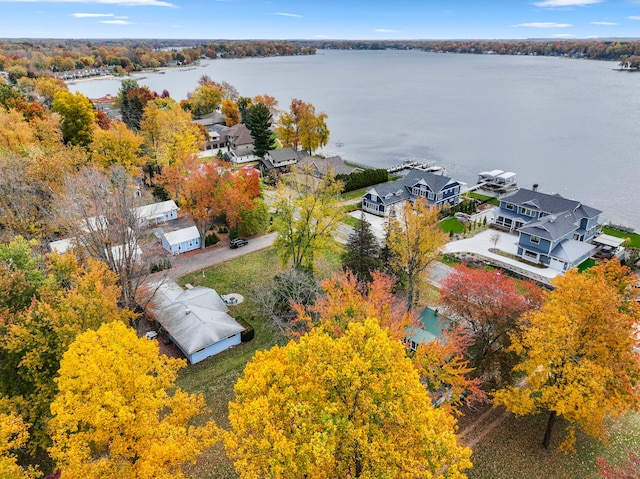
[(438, 190), (196, 320), (280, 159), (552, 230)]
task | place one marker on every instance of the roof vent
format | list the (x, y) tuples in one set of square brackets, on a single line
[(187, 311), (535, 187)]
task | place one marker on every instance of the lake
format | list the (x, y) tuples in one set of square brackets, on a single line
[(569, 125)]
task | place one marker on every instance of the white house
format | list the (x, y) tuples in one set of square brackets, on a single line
[(196, 320), (156, 213), (182, 240)]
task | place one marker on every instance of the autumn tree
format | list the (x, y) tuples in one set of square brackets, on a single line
[(351, 406), (308, 215), (118, 146), (129, 420), (486, 305), (579, 361), (302, 127), (414, 240), (170, 133), (362, 251), (205, 99), (269, 101), (13, 436), (441, 363), (47, 87), (230, 111), (99, 209), (72, 299), (78, 117), (259, 123)]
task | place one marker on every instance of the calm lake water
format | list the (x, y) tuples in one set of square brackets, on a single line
[(569, 125)]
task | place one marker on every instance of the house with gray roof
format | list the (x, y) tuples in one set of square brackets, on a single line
[(438, 190), (320, 167), (552, 230), (196, 319), (281, 158)]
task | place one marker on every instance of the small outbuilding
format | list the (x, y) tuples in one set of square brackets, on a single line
[(195, 319), (182, 240)]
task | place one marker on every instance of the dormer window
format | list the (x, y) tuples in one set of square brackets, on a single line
[(535, 239), (509, 206)]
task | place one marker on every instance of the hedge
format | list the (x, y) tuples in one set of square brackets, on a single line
[(362, 179)]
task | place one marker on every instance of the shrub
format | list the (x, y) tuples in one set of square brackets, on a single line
[(211, 239), (160, 265), (362, 179)]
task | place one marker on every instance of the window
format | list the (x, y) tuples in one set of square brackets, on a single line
[(509, 206), (527, 212), (534, 239), (530, 254)]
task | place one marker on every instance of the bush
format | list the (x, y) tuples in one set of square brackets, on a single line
[(160, 193), (223, 230), (233, 233), (211, 239), (362, 179), (160, 266)]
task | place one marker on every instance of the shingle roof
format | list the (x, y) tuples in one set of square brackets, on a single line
[(552, 227), (155, 210), (283, 154), (436, 183), (550, 204)]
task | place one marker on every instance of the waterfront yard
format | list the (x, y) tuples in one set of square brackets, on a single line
[(510, 450)]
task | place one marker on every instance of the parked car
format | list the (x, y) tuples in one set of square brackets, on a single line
[(237, 243)]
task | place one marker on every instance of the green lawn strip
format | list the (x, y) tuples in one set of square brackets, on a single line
[(513, 450), (352, 195), (351, 221), (634, 238), (586, 264), (488, 199), (451, 225)]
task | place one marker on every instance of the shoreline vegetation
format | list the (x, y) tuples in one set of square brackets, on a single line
[(61, 58)]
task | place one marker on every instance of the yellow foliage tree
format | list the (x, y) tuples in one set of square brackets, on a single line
[(308, 215), (351, 406), (118, 145), (118, 413), (16, 133), (415, 240), (231, 112), (578, 352), (13, 436)]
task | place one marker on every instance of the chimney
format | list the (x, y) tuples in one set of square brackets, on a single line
[(535, 187)]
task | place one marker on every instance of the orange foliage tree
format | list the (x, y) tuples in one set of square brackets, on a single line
[(485, 306), (580, 352)]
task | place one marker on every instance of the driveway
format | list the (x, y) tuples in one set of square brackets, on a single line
[(201, 259)]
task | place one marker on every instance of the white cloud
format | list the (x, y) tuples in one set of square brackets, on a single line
[(543, 25), (565, 3), (604, 23), (634, 17), (282, 14), (127, 3), (91, 15), (116, 22), (384, 30)]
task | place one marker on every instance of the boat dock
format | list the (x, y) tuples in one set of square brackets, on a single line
[(415, 164)]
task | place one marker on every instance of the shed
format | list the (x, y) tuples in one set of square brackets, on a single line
[(196, 320), (182, 240)]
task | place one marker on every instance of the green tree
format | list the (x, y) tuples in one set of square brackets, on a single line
[(132, 100), (578, 353), (351, 406), (308, 215), (259, 123), (362, 252), (118, 412), (244, 103), (78, 117)]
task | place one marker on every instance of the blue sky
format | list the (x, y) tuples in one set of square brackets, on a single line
[(320, 19)]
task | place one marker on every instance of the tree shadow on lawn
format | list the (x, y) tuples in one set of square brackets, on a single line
[(514, 450)]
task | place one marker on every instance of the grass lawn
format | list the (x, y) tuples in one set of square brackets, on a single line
[(351, 221), (586, 264), (352, 195), (634, 238), (510, 451), (451, 225), (488, 199), (513, 450)]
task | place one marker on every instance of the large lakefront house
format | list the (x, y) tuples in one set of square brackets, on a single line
[(439, 190), (553, 230)]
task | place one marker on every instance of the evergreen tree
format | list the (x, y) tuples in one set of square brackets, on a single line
[(363, 253), (259, 122)]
